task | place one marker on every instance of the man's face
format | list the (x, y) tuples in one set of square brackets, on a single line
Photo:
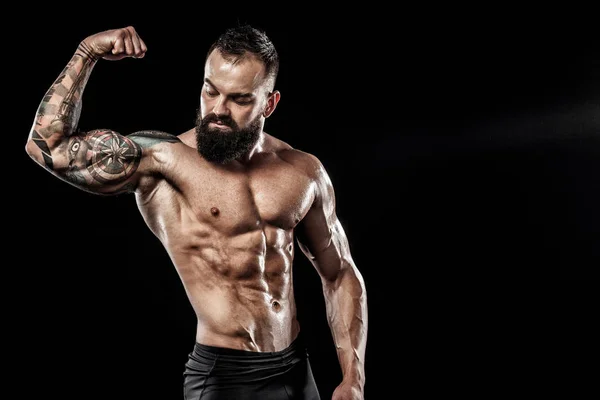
[(232, 107)]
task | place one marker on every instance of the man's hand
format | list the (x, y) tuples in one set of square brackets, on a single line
[(116, 44), (347, 391)]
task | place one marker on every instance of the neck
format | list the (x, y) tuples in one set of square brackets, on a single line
[(257, 148)]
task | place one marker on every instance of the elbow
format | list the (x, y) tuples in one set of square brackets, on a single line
[(37, 154), (345, 276), (29, 147), (32, 150), (348, 287), (44, 138)]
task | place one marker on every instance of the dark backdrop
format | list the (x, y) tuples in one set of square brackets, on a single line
[(463, 147)]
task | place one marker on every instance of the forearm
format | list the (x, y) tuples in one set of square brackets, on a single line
[(58, 114), (346, 303)]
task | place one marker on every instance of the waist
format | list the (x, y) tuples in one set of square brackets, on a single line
[(224, 367), (297, 349)]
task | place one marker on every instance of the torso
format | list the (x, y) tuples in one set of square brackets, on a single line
[(229, 231)]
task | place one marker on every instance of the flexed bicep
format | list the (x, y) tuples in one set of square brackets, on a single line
[(101, 161)]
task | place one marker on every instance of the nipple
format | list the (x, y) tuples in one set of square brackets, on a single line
[(214, 211)]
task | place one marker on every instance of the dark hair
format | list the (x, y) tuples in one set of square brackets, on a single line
[(237, 41)]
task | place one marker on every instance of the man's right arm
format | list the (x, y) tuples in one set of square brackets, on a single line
[(98, 161)]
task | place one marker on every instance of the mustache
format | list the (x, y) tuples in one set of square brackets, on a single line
[(225, 120)]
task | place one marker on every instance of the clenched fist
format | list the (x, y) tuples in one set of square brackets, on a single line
[(116, 44)]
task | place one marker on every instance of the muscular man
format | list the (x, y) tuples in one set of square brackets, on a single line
[(227, 200)]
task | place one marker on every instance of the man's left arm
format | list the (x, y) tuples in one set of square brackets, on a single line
[(323, 240)]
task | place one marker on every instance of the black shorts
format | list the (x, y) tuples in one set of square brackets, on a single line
[(213, 373)]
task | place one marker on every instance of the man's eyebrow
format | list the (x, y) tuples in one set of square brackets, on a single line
[(244, 95)]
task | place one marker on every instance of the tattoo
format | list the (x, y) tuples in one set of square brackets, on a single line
[(60, 109), (86, 51), (113, 158), (75, 176), (41, 144), (150, 138), (74, 146), (48, 161), (60, 90), (70, 107), (46, 108)]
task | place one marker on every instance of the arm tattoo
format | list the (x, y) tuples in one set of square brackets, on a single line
[(114, 157), (85, 50), (101, 157), (41, 144), (105, 160), (100, 161), (150, 138), (75, 176), (58, 114)]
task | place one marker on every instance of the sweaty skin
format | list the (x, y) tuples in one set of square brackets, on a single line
[(228, 228), (229, 231)]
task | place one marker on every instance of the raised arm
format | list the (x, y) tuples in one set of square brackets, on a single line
[(98, 161), (322, 239)]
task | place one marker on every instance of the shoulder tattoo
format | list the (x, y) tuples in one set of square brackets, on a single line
[(151, 138)]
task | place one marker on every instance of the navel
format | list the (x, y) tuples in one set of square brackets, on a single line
[(276, 305), (214, 211)]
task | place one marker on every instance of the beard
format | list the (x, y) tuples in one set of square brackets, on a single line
[(222, 146)]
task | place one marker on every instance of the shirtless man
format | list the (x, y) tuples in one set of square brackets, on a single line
[(226, 199)]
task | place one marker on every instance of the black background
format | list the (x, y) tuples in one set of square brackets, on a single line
[(463, 146)]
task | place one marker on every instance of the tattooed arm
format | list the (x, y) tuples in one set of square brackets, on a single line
[(99, 161)]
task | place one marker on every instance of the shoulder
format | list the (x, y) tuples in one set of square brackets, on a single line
[(307, 163), (156, 142), (309, 166), (158, 148), (150, 138), (188, 137)]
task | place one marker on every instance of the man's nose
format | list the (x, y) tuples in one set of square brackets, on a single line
[(220, 107)]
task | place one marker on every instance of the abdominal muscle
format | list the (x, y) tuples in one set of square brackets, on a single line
[(242, 294)]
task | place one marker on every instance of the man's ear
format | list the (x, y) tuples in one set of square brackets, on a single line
[(272, 101)]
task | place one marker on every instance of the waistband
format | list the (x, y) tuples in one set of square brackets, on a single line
[(295, 349)]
